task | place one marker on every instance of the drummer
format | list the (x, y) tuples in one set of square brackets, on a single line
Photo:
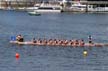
[(19, 38)]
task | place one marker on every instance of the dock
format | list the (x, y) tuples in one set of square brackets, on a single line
[(100, 6)]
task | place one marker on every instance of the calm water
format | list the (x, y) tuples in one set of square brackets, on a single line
[(60, 26)]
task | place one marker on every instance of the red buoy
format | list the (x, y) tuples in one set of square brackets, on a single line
[(17, 55)]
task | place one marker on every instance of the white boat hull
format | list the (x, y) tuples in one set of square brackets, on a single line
[(48, 11), (46, 8)]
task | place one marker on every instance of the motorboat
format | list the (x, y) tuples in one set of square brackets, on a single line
[(46, 8), (78, 7)]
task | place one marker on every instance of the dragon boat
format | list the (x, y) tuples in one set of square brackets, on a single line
[(48, 44)]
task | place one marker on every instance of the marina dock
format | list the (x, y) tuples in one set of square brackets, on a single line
[(97, 6)]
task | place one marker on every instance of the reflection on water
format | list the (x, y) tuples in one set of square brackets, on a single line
[(60, 26)]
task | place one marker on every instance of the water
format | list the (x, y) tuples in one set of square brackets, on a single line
[(51, 58)]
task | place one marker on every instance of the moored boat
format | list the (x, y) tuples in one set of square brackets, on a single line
[(78, 7), (45, 8)]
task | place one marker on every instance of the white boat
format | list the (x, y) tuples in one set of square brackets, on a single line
[(46, 8), (78, 7), (81, 7)]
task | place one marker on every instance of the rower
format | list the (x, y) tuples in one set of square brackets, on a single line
[(82, 42), (20, 38), (34, 40)]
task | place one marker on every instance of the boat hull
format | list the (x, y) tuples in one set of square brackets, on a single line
[(48, 11), (41, 44)]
